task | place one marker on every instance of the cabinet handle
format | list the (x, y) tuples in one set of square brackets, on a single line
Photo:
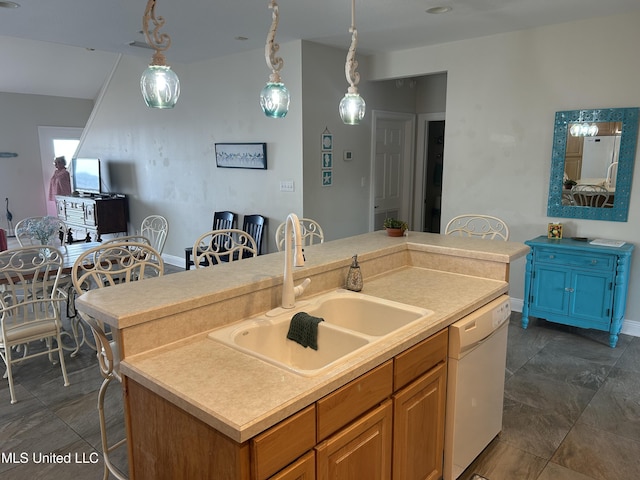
[(551, 257), (569, 289), (594, 262)]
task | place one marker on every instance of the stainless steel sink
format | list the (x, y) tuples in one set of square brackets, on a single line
[(352, 323)]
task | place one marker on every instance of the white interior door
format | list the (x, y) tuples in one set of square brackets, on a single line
[(391, 167)]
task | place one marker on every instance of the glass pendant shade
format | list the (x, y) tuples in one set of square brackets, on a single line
[(583, 130), (352, 108), (160, 86), (274, 100)]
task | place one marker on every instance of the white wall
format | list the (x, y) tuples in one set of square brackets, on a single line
[(502, 94), (343, 208), (164, 159), (340, 208), (21, 178)]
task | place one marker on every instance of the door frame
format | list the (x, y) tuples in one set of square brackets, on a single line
[(407, 162), (420, 184)]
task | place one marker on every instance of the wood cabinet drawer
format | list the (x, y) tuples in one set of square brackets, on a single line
[(419, 359), (302, 469), (587, 260), (276, 448), (347, 403)]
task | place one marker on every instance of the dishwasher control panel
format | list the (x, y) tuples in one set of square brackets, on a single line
[(501, 314), (473, 329)]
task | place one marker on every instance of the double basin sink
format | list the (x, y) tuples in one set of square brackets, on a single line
[(352, 322)]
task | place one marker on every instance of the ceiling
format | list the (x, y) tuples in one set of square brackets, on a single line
[(83, 37)]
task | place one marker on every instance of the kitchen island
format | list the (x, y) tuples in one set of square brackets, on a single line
[(168, 361)]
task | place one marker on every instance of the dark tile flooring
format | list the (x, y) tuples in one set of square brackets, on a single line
[(572, 412)]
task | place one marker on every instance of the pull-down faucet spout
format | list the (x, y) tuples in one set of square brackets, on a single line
[(289, 292)]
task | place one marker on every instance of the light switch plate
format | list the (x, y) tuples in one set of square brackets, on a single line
[(287, 186)]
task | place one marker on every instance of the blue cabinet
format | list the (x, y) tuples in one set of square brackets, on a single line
[(576, 283)]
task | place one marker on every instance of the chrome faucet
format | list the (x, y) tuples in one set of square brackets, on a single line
[(289, 292)]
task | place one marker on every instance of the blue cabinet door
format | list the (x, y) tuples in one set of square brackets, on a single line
[(591, 298), (549, 291)]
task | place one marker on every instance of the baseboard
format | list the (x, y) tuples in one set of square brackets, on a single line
[(516, 304), (629, 327), (173, 260)]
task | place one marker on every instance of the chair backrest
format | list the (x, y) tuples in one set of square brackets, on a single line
[(156, 229), (254, 226), (113, 263), (224, 220), (40, 231), (482, 226), (29, 295), (592, 196), (310, 231), (226, 245)]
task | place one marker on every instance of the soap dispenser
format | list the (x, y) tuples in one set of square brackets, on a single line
[(354, 277)]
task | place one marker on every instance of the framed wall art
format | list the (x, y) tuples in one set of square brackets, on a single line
[(554, 230), (241, 155)]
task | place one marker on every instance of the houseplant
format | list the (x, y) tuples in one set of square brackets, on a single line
[(394, 227)]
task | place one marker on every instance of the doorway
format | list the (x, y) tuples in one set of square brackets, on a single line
[(56, 142), (429, 167)]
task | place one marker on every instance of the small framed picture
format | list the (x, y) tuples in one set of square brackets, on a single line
[(554, 230), (327, 178), (327, 160), (327, 142)]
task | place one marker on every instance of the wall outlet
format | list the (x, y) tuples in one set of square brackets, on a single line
[(286, 186)]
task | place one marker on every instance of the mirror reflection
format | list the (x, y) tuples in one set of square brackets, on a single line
[(592, 163)]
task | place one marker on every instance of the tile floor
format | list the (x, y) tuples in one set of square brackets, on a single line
[(572, 412)]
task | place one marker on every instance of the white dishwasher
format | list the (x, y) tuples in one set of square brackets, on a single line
[(475, 384)]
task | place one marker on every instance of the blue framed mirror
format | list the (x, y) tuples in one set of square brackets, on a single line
[(592, 163)]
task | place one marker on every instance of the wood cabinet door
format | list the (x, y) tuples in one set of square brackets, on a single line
[(418, 431), (361, 450)]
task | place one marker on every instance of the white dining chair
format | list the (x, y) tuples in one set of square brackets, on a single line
[(221, 246), (480, 226), (156, 229), (25, 231), (30, 306), (107, 265), (310, 232)]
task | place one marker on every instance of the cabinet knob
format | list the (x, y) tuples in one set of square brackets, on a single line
[(569, 289), (552, 256), (594, 262)]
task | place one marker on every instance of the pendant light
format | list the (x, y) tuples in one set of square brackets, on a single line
[(352, 106), (274, 97), (583, 130), (159, 84)]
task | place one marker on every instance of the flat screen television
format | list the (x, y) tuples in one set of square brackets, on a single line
[(87, 175)]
